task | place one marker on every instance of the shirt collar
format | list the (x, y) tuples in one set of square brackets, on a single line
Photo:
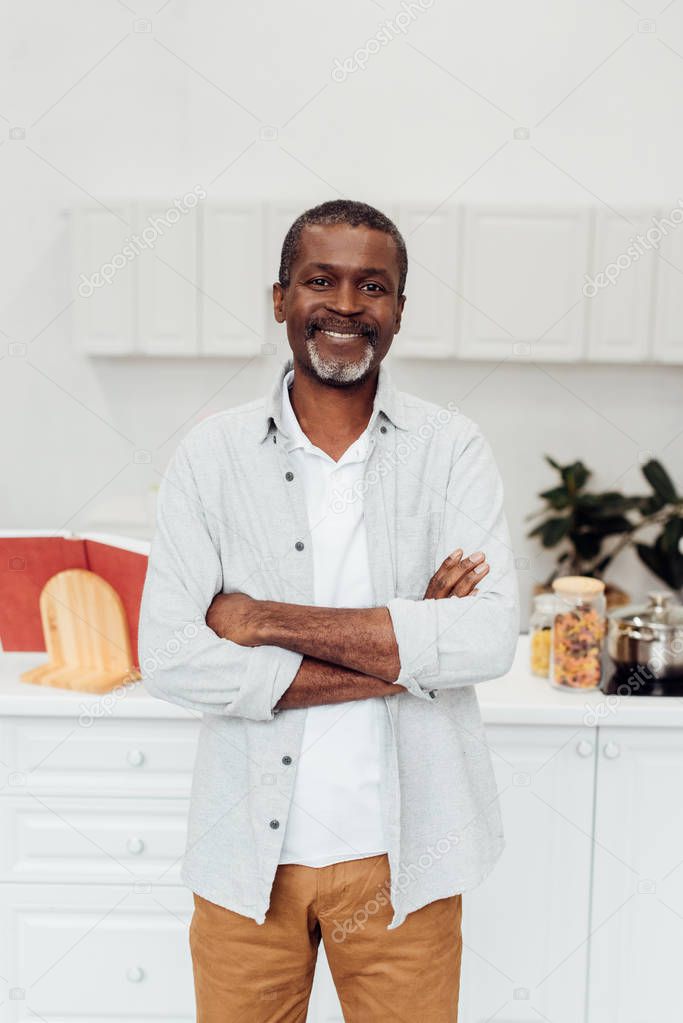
[(387, 401)]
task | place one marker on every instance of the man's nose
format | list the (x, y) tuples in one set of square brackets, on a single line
[(346, 300)]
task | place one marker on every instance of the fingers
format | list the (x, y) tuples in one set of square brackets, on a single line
[(458, 576), (465, 582)]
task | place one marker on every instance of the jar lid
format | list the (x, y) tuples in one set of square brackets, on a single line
[(544, 602), (578, 585)]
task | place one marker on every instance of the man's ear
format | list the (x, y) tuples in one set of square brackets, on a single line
[(278, 302), (399, 313)]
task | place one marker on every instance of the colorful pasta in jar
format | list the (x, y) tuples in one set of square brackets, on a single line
[(578, 632)]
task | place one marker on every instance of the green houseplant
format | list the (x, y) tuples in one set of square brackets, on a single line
[(590, 529)]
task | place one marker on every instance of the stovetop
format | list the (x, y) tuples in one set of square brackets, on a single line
[(634, 681)]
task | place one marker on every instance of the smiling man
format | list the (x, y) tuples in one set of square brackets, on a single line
[(330, 576)]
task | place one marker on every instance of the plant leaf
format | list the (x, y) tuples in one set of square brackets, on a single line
[(555, 530), (655, 561), (660, 481), (558, 497), (588, 545)]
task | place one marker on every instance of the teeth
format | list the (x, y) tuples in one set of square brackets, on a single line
[(333, 333)]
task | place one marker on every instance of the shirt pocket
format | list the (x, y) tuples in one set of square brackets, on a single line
[(416, 537)]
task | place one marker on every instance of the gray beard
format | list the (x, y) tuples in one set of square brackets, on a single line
[(338, 371)]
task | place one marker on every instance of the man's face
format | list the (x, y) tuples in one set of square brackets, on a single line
[(344, 281)]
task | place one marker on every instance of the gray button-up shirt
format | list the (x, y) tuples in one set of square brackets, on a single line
[(231, 517)]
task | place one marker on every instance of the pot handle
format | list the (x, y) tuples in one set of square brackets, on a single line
[(642, 632)]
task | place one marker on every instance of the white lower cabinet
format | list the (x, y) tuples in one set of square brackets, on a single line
[(581, 920), (525, 927), (101, 953), (637, 906)]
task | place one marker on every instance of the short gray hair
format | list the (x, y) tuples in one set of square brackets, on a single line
[(341, 211)]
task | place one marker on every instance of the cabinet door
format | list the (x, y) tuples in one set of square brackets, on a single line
[(523, 278), (428, 326), (232, 300), (104, 279), (95, 840), (525, 928), (167, 279), (105, 954), (619, 288), (637, 904), (278, 218), (668, 331)]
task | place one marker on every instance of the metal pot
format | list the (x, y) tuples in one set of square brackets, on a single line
[(650, 637)]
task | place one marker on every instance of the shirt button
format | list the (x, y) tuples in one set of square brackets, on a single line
[(289, 476), (382, 429), (299, 545), (275, 825), (286, 760)]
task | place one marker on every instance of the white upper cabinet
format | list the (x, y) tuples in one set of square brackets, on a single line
[(167, 280), (105, 294), (522, 283), (668, 329), (278, 218), (428, 326), (618, 287), (545, 284), (232, 269)]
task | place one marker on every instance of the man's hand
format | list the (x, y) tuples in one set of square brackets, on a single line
[(457, 576), (238, 617), (234, 616)]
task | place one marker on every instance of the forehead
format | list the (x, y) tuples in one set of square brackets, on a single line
[(348, 247)]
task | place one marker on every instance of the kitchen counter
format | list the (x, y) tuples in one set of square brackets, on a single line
[(516, 698)]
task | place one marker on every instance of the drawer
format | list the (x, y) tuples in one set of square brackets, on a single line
[(98, 756), (57, 838), (105, 954)]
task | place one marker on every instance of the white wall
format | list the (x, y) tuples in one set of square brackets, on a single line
[(108, 111)]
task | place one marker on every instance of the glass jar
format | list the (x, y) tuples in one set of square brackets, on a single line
[(578, 632), (540, 634)]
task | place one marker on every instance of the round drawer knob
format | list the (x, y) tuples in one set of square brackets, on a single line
[(611, 750), (584, 748), (135, 974), (135, 846), (135, 757)]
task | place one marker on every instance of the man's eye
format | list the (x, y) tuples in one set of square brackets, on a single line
[(318, 280), (372, 284)]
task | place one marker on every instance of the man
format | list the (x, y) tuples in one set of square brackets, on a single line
[(343, 788)]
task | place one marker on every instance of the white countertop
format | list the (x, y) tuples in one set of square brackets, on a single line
[(516, 698)]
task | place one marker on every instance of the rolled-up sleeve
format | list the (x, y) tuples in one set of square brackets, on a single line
[(181, 659), (457, 641)]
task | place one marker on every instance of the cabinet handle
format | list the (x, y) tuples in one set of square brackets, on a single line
[(611, 750), (584, 748), (135, 757), (135, 974), (135, 845)]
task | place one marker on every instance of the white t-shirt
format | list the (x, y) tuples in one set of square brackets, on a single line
[(336, 810)]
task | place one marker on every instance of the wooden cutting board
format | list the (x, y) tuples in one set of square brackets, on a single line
[(86, 635)]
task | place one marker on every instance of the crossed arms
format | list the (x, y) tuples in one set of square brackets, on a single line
[(348, 653), (226, 654)]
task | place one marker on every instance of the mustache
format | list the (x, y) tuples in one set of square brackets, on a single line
[(342, 328)]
